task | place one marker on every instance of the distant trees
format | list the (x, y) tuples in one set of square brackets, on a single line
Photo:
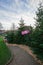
[(11, 34), (13, 27), (15, 36), (1, 27)]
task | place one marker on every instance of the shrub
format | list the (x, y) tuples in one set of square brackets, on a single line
[(10, 37)]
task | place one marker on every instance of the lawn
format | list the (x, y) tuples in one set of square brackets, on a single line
[(5, 54)]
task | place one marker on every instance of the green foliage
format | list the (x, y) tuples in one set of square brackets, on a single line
[(41, 46), (17, 37), (38, 34), (23, 39), (10, 37), (4, 52)]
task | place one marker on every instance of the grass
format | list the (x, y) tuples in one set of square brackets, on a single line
[(5, 54)]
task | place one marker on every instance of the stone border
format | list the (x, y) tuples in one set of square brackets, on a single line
[(9, 60)]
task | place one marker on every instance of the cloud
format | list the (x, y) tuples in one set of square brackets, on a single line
[(10, 18), (14, 5), (12, 10), (34, 4)]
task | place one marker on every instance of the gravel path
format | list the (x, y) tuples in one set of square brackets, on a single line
[(21, 57)]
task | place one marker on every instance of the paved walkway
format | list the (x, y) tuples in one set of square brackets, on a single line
[(21, 57)]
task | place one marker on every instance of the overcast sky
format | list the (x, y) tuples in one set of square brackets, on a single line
[(11, 11)]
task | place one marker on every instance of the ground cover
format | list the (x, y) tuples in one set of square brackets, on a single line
[(5, 54)]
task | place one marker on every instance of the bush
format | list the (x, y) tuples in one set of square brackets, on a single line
[(10, 37), (23, 39), (41, 46)]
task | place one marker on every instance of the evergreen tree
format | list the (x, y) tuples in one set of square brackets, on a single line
[(21, 24), (20, 38), (39, 26), (39, 18), (23, 39), (38, 32)]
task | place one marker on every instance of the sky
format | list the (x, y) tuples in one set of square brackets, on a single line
[(11, 11)]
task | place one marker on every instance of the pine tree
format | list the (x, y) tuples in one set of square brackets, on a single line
[(39, 18), (23, 39), (38, 33), (21, 24), (20, 38), (39, 25)]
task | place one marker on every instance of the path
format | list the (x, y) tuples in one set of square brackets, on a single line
[(21, 57)]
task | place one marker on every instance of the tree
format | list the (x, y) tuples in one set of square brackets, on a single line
[(1, 27), (13, 27), (38, 32), (19, 35), (21, 23), (39, 20), (11, 35), (23, 39)]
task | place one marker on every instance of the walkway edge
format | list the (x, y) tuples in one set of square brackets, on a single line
[(9, 61)]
